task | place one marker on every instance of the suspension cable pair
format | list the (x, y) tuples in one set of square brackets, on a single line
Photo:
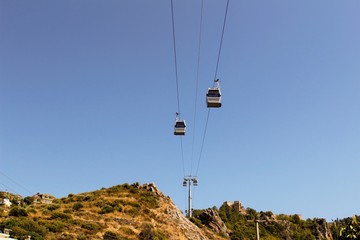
[(213, 96)]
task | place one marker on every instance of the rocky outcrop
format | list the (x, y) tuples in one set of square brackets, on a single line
[(323, 229), (187, 227), (211, 219)]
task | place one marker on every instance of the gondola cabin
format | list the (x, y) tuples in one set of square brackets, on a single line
[(213, 98), (179, 128)]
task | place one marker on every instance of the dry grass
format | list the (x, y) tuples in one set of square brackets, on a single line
[(128, 211)]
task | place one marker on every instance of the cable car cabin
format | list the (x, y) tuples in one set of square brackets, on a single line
[(184, 183), (213, 98), (179, 128)]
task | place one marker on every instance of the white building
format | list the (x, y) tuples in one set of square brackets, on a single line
[(5, 201)]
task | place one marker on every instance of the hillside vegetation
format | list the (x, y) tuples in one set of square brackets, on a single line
[(120, 212), (142, 212)]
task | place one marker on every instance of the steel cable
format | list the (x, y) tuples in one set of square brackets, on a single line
[(177, 79), (197, 84), (215, 77)]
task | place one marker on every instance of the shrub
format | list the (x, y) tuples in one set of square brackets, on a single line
[(82, 236), (53, 207), (197, 222), (28, 200), (149, 199), (148, 233), (88, 198), (92, 228), (106, 209), (108, 235), (22, 227), (77, 206), (133, 212), (60, 215), (54, 225), (68, 211), (18, 212)]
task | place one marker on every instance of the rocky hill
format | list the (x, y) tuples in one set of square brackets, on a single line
[(120, 212), (142, 212)]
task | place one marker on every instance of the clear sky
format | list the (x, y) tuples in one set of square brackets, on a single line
[(88, 100)]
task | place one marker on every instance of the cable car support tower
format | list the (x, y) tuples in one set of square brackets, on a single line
[(188, 181)]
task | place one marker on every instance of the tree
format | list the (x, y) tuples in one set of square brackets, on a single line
[(28, 200), (351, 231)]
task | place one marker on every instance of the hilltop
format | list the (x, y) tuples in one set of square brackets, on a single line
[(134, 211), (121, 212)]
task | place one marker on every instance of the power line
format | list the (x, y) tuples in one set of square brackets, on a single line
[(7, 188), (13, 181)]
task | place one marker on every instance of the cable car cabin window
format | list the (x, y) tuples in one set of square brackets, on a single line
[(214, 93), (180, 124)]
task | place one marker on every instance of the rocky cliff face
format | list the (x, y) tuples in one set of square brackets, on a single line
[(211, 219), (182, 227), (323, 230)]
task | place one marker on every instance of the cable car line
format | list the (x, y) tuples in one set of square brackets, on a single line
[(203, 141), (213, 97), (175, 58), (221, 41), (182, 156), (180, 126), (213, 100), (216, 82), (197, 84)]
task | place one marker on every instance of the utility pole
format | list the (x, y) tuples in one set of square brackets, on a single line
[(188, 181), (257, 227)]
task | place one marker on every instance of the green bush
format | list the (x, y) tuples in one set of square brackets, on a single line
[(53, 207), (149, 199), (18, 212), (28, 200), (106, 209), (108, 235), (351, 230), (68, 211), (77, 206), (82, 236), (149, 233), (54, 225), (197, 222), (60, 215), (91, 227), (22, 227), (88, 198), (133, 212)]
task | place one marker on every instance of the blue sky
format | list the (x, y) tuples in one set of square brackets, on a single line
[(88, 100)]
